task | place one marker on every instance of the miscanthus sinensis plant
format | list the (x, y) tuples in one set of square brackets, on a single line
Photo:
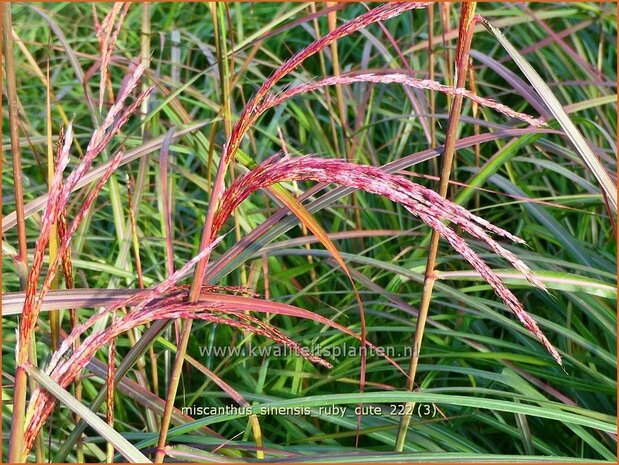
[(234, 306)]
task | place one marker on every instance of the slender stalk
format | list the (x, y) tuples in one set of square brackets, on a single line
[(109, 413), (54, 315), (141, 371), (476, 129), (125, 365), (217, 11), (431, 78), (221, 43), (16, 439), (37, 70), (445, 24), (173, 386), (226, 79), (134, 234), (145, 57), (332, 22), (216, 191), (329, 104), (11, 87), (174, 377), (304, 232), (323, 68), (462, 62)]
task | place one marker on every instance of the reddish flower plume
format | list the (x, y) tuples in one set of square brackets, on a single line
[(430, 207)]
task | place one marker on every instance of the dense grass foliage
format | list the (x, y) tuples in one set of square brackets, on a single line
[(309, 260)]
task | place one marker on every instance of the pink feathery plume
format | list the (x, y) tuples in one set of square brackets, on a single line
[(107, 38), (395, 78), (59, 198), (31, 311), (217, 308), (211, 306), (431, 208), (249, 114), (57, 201), (139, 301)]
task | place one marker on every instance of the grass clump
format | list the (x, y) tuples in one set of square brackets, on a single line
[(164, 228)]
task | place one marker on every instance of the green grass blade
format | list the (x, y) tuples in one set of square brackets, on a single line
[(128, 450), (570, 129)]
